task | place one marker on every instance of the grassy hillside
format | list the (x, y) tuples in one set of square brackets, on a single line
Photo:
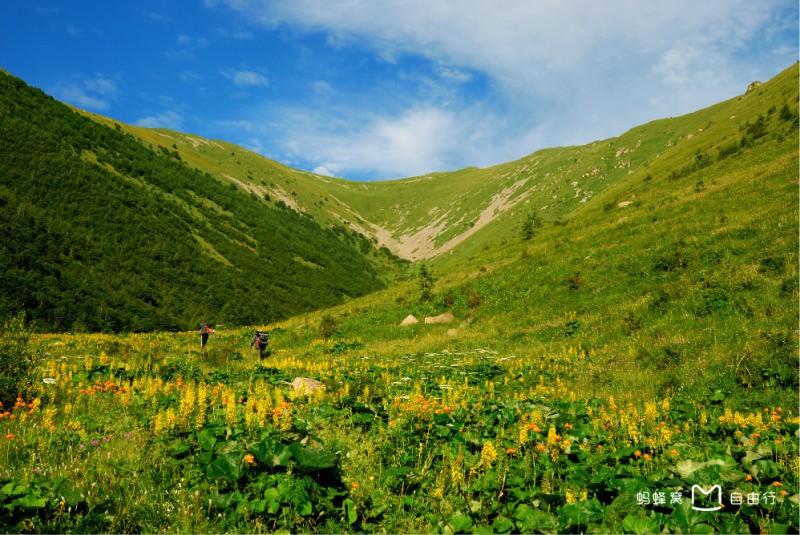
[(452, 216), (679, 276), (105, 232), (626, 346)]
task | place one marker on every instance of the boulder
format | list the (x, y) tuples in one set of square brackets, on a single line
[(447, 317), (304, 386), (410, 320)]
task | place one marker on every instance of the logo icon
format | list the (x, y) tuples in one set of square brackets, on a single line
[(706, 494)]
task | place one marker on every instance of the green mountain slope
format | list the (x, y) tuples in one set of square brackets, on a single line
[(680, 276), (105, 232), (454, 215)]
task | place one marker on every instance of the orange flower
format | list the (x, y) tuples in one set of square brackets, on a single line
[(540, 447), (249, 459), (10, 436), (749, 478), (673, 452), (777, 484), (646, 456), (354, 485), (511, 451), (637, 453), (784, 492)]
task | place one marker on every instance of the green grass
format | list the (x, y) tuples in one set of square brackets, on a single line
[(651, 328)]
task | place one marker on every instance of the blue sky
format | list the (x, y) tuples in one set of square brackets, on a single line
[(380, 89)]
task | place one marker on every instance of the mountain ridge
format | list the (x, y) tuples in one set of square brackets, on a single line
[(458, 221), (424, 217)]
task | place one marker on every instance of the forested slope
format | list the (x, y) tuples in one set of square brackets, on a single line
[(105, 233)]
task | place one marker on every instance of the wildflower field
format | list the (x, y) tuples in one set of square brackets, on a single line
[(146, 433)]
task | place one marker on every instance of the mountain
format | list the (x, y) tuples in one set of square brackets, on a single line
[(454, 214), (565, 218), (105, 232), (677, 276)]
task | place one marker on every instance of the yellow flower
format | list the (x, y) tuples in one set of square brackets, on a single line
[(488, 454)]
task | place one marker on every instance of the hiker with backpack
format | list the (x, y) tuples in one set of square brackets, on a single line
[(261, 339), (205, 330)]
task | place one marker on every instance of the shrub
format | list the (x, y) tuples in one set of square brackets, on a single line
[(327, 326), (15, 360), (425, 283)]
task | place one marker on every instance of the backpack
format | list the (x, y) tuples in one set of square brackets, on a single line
[(263, 339)]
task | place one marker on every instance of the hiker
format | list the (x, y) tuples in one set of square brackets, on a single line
[(261, 339), (205, 330)]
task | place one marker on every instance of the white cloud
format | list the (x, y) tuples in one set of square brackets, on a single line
[(171, 120), (246, 78), (322, 170), (416, 141), (556, 72), (237, 35), (95, 93)]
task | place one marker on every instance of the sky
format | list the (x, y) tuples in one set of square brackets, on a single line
[(386, 89)]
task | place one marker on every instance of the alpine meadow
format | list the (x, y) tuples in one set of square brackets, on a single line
[(590, 339)]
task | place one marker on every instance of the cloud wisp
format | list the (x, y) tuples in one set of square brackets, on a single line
[(558, 72)]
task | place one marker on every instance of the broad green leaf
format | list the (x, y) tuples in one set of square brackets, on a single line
[(683, 518), (8, 488), (502, 525), (529, 519), (581, 513), (458, 523), (629, 485), (258, 506), (733, 524), (178, 447), (230, 466), (273, 499), (271, 453), (222, 501), (640, 525), (778, 529), (305, 508), (687, 467), (207, 440), (762, 452), (31, 502), (312, 459), (350, 512), (765, 469)]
